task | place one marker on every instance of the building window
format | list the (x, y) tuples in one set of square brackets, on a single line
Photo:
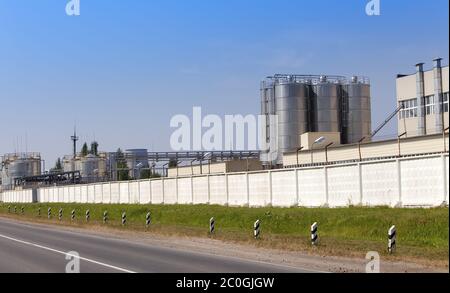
[(409, 110), (429, 105)]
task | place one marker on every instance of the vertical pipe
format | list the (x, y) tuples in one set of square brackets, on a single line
[(421, 126), (438, 105)]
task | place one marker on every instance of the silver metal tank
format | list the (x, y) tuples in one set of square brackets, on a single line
[(357, 119), (291, 103), (326, 106), (19, 165)]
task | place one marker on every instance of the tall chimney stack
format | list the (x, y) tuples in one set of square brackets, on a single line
[(438, 103), (421, 114)]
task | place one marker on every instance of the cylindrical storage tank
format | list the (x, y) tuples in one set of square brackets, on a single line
[(291, 103), (325, 105), (358, 118)]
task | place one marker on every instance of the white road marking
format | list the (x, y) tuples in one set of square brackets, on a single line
[(64, 253)]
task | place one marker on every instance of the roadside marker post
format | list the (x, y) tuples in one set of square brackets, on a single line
[(49, 213), (60, 214), (88, 215), (148, 219), (392, 239), (105, 217), (124, 218), (257, 229), (15, 210), (22, 210), (212, 226), (39, 212), (9, 209), (72, 216), (314, 234)]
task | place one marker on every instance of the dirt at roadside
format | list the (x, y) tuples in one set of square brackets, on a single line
[(247, 251)]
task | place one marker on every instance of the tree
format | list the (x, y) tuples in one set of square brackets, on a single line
[(122, 167), (84, 150), (173, 163), (58, 166), (94, 148)]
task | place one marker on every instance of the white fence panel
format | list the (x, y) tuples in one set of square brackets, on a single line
[(170, 191), (115, 193), (144, 189), (422, 182), (237, 190), (259, 190), (343, 186), (184, 191), (200, 187), (134, 192), (218, 190), (284, 190), (106, 191), (311, 187), (157, 192), (98, 191), (380, 184), (124, 193), (84, 194)]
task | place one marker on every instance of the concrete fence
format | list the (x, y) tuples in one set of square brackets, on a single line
[(416, 181)]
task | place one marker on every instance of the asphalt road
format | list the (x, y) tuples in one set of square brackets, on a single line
[(28, 248)]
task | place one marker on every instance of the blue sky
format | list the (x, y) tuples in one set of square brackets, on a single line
[(122, 69)]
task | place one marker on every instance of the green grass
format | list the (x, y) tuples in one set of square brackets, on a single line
[(422, 233)]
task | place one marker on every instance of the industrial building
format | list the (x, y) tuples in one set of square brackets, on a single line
[(423, 97), (299, 104), (18, 165)]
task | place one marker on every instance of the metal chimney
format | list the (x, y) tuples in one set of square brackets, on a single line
[(421, 114), (438, 103)]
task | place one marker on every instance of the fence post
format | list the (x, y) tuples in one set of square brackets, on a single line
[(212, 226), (399, 178), (257, 229), (314, 234), (148, 219), (444, 178), (124, 218), (392, 239), (360, 183), (105, 217)]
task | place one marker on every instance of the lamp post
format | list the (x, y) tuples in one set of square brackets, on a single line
[(298, 151), (359, 147), (326, 151), (445, 143), (399, 139), (318, 141)]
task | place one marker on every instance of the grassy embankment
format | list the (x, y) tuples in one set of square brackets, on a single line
[(423, 234)]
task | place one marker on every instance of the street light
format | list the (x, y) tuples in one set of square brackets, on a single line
[(359, 147), (298, 151), (399, 138), (326, 151), (320, 140)]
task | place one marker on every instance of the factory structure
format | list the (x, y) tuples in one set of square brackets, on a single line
[(328, 106), (310, 120)]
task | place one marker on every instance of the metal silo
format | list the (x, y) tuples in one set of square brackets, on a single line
[(291, 103), (326, 105), (357, 120)]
